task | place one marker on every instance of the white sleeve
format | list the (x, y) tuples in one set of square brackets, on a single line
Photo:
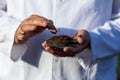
[(3, 5), (105, 40), (8, 26)]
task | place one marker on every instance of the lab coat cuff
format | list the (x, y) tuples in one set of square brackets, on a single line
[(84, 58), (95, 41), (12, 47), (18, 51)]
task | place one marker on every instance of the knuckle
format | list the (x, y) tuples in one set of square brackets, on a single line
[(22, 27), (32, 15), (26, 21), (29, 20)]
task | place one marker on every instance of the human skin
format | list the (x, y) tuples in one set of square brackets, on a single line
[(83, 40), (32, 26)]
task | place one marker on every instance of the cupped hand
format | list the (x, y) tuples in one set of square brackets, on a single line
[(56, 51), (83, 39), (32, 26)]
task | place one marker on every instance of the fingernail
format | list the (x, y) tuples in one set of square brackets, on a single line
[(54, 31)]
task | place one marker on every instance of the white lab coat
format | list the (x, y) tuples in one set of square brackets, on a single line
[(30, 62)]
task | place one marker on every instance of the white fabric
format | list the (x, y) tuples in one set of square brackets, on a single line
[(100, 17)]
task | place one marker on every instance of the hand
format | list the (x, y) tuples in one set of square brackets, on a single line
[(32, 26), (56, 51), (83, 39), (81, 36)]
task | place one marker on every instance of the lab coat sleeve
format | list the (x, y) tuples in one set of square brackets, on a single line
[(8, 26), (105, 40)]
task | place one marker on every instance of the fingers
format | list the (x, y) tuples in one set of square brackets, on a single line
[(41, 22), (28, 27), (83, 38), (19, 38), (24, 32), (57, 52), (36, 20), (32, 26), (51, 27), (44, 44), (73, 50), (78, 37)]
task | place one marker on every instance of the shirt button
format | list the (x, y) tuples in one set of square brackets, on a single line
[(56, 59)]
